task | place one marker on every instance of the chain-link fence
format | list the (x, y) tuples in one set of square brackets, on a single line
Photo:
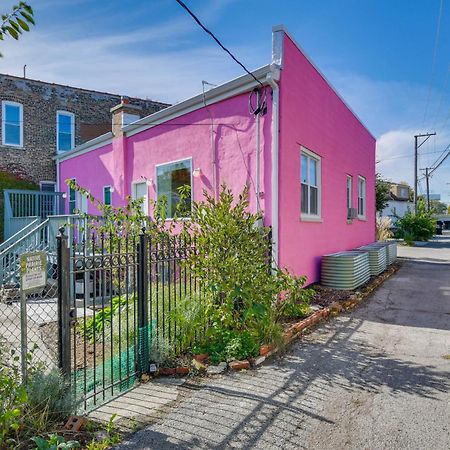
[(27, 322)]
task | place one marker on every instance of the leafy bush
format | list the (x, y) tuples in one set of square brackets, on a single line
[(13, 398), (416, 227), (232, 264), (228, 345)]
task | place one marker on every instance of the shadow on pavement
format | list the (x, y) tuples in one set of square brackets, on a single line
[(277, 404)]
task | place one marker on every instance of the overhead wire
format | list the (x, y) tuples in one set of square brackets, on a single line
[(433, 62), (198, 21)]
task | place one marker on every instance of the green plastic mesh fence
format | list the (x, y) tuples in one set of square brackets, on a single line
[(115, 375)]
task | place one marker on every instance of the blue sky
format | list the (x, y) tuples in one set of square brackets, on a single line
[(380, 54)]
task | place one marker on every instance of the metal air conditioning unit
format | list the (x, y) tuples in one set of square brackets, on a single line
[(351, 213)]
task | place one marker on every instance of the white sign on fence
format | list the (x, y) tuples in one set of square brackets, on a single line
[(33, 271)]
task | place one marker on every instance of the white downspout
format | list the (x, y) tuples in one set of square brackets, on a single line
[(275, 149), (258, 156)]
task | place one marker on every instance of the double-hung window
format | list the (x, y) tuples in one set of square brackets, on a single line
[(107, 193), (174, 182), (65, 131), (361, 197), (310, 184), (12, 124)]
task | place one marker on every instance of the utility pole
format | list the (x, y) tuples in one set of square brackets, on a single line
[(427, 177), (416, 148)]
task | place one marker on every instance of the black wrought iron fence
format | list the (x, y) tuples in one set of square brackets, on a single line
[(118, 308)]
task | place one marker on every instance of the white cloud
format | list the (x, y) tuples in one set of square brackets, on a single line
[(157, 61), (395, 153)]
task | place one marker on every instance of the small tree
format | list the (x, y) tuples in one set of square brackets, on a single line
[(382, 189)]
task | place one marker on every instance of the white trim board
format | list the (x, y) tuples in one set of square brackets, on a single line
[(240, 85)]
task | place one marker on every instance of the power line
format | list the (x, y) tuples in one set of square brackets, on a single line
[(185, 7), (407, 155), (433, 63)]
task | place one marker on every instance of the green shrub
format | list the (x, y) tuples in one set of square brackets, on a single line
[(416, 227), (228, 345), (13, 398), (50, 399), (240, 288)]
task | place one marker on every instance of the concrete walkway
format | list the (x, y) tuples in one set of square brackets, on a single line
[(377, 378)]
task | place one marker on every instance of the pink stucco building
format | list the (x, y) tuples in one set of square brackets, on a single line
[(307, 157)]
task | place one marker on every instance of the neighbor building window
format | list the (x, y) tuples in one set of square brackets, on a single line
[(361, 197), (310, 184), (12, 124), (72, 200), (174, 182), (65, 131), (349, 191), (107, 192)]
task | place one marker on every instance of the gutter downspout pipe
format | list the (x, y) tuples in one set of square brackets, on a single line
[(275, 150)]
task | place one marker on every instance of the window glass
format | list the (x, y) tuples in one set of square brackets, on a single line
[(361, 197), (12, 124), (72, 200), (304, 168), (171, 179), (349, 192), (107, 195), (65, 131), (312, 172)]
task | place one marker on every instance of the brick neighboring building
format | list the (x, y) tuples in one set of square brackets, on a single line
[(30, 111)]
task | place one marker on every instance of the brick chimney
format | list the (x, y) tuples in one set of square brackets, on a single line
[(123, 114)]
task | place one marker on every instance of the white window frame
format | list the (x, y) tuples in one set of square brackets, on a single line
[(311, 155), (110, 193), (134, 196), (362, 196), (72, 129), (10, 103), (192, 180), (349, 187)]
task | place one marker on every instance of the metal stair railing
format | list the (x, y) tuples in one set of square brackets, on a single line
[(22, 232)]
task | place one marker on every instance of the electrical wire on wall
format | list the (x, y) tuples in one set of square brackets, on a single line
[(257, 102)]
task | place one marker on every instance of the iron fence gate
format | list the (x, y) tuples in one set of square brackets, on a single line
[(117, 298)]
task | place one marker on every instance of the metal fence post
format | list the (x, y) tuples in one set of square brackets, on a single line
[(64, 319), (143, 351)]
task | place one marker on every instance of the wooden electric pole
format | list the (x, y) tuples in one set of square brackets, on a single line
[(416, 148)]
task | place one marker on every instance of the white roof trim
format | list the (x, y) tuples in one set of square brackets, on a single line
[(99, 141), (284, 30), (229, 89)]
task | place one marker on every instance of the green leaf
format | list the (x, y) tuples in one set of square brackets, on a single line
[(12, 32), (27, 17), (23, 24)]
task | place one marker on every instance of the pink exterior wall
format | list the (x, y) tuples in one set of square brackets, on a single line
[(312, 115), (129, 159)]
